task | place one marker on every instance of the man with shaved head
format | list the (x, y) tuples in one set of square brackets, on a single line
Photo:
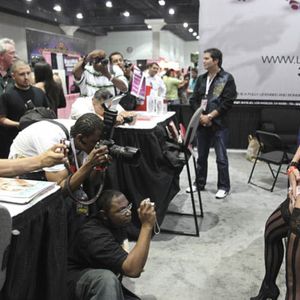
[(13, 104)]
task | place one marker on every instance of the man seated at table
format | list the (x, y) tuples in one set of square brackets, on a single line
[(93, 104), (96, 256), (13, 167), (84, 134), (96, 104)]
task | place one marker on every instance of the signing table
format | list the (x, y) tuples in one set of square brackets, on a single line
[(152, 177), (36, 266)]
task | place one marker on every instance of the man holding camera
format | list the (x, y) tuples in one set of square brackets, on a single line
[(97, 257), (93, 72), (84, 134), (128, 102)]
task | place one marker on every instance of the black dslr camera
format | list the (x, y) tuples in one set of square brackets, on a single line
[(125, 153)]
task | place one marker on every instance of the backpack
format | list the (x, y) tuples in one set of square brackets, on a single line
[(36, 114)]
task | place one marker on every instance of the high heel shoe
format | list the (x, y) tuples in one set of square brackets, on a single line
[(267, 292)]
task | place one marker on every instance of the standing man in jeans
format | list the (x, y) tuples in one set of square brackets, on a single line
[(215, 91)]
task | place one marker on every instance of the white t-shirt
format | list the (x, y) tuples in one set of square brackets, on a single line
[(38, 138), (91, 80), (84, 105), (156, 83)]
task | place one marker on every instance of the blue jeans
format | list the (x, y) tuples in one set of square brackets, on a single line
[(219, 137), (99, 284)]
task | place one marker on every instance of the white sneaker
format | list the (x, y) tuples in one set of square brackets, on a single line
[(221, 194), (194, 188)]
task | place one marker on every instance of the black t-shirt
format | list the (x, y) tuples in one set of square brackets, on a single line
[(6, 82), (12, 103), (96, 246), (12, 106)]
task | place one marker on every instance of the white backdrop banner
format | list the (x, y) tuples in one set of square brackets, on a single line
[(260, 41)]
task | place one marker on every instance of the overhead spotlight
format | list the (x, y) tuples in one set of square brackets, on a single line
[(28, 0), (194, 33), (27, 11), (149, 26), (126, 13), (79, 15), (185, 24), (197, 37), (57, 7), (171, 11), (162, 2), (108, 4), (191, 29)]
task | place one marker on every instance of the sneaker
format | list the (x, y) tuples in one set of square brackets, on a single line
[(221, 194), (194, 188)]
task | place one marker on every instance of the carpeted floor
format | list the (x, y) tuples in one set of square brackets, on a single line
[(226, 261)]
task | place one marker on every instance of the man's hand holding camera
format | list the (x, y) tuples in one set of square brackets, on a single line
[(98, 156), (147, 214), (99, 62), (55, 155)]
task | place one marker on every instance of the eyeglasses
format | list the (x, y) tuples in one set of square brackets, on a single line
[(126, 209)]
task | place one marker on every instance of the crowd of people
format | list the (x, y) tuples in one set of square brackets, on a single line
[(98, 255)]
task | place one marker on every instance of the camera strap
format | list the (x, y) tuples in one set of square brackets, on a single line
[(84, 200), (79, 196)]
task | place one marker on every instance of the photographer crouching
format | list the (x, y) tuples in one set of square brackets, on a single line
[(97, 259), (93, 72)]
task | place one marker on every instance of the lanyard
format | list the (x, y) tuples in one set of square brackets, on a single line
[(74, 152), (208, 83)]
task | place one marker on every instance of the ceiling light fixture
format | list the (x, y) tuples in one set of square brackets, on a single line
[(126, 14), (79, 16), (27, 11), (197, 37), (191, 29), (185, 24), (28, 0), (108, 4), (195, 33), (162, 2), (57, 7), (171, 11), (149, 26)]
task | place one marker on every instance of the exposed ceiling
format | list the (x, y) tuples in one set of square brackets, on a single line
[(99, 19)]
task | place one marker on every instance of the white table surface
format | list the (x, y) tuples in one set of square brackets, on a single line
[(147, 120), (16, 209)]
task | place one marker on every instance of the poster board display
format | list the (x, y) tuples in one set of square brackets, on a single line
[(60, 51), (259, 44)]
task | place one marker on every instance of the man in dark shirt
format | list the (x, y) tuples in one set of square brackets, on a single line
[(7, 56), (13, 104), (96, 256), (215, 91)]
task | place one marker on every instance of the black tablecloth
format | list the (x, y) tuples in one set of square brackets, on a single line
[(36, 267), (152, 178)]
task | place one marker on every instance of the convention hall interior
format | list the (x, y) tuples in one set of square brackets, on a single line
[(193, 232)]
